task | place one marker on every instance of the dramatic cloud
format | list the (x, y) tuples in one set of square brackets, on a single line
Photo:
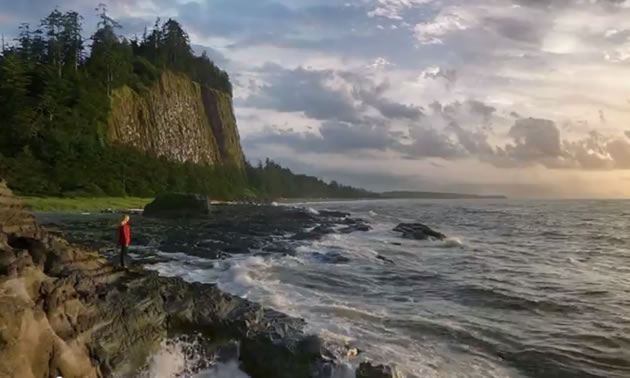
[(449, 75), (326, 95), (538, 141), (448, 21), (333, 137), (302, 90)]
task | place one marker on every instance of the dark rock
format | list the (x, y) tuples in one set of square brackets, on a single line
[(332, 258), (280, 248), (367, 370), (323, 230), (304, 235), (232, 229), (383, 258), (178, 205), (363, 227), (418, 231), (333, 214), (358, 227)]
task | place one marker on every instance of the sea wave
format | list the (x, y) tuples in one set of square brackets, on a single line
[(183, 357)]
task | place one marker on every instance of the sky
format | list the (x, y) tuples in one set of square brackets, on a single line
[(528, 98)]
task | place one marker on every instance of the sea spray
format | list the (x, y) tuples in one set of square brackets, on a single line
[(184, 357)]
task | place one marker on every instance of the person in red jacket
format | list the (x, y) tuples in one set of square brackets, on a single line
[(124, 238)]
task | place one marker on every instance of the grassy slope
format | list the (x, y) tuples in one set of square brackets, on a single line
[(84, 204)]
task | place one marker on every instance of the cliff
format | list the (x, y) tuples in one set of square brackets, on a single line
[(178, 119)]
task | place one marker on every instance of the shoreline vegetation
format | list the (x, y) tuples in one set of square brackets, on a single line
[(83, 204), (102, 204)]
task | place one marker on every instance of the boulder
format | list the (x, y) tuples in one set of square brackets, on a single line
[(418, 231), (178, 205), (367, 370)]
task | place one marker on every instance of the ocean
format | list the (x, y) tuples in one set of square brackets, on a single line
[(518, 289)]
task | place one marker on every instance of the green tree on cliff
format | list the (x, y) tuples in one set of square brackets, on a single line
[(17, 117), (55, 103)]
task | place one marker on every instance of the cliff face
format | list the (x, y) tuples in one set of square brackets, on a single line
[(177, 119), (220, 113)]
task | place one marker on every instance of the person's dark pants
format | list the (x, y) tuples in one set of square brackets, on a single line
[(123, 252)]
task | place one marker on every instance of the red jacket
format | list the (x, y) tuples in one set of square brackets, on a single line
[(124, 234)]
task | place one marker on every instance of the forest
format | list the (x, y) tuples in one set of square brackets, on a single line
[(55, 88)]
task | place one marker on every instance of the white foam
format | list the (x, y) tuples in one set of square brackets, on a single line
[(227, 370), (372, 213), (174, 359), (169, 361), (312, 211), (452, 242)]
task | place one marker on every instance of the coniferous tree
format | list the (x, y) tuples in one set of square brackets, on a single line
[(52, 26), (72, 40), (16, 111), (55, 103)]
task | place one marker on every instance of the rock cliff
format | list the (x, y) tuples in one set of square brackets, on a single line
[(178, 119)]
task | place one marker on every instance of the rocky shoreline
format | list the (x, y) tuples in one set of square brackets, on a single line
[(66, 311)]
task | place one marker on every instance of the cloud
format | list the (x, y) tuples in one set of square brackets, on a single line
[(448, 21), (326, 95), (452, 131), (456, 131), (393, 9), (303, 90), (372, 95), (216, 56), (450, 75), (538, 142), (430, 143), (333, 137), (535, 141)]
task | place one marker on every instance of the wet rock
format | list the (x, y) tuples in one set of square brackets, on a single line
[(323, 230), (66, 311), (358, 227), (385, 259), (332, 258), (367, 370), (418, 231), (178, 205), (333, 214), (280, 248)]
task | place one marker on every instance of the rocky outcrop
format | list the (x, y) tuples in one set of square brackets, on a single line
[(418, 231), (65, 311), (220, 113), (367, 370), (178, 205), (178, 119)]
